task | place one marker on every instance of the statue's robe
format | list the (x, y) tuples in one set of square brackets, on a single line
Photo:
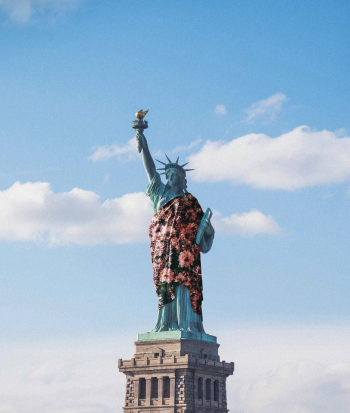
[(176, 258), (174, 252)]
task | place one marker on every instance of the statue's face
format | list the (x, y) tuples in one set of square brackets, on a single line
[(175, 178)]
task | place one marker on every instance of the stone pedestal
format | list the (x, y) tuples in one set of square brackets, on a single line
[(176, 375)]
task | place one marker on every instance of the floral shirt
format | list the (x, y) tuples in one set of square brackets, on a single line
[(174, 252)]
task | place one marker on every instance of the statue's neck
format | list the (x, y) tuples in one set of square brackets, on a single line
[(174, 193)]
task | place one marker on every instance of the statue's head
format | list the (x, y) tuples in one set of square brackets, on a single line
[(176, 179), (175, 173)]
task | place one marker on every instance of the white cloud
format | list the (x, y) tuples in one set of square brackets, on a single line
[(129, 151), (266, 109), (55, 370), (297, 159), (247, 224), (289, 369), (32, 212), (220, 110), (299, 387), (22, 11), (183, 148), (126, 152), (62, 377)]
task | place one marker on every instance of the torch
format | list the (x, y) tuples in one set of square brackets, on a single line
[(140, 125)]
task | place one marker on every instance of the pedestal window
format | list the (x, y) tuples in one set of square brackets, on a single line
[(200, 388), (142, 389), (154, 388), (208, 389), (216, 390), (166, 387)]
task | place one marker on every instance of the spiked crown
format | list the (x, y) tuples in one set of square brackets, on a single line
[(173, 165)]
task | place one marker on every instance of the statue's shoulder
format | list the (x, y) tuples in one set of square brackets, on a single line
[(155, 186), (192, 202), (191, 198)]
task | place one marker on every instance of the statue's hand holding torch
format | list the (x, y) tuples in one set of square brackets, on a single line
[(140, 125), (141, 140)]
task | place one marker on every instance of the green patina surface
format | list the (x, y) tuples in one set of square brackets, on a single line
[(171, 335)]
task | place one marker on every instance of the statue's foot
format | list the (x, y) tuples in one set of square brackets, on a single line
[(173, 327), (157, 330)]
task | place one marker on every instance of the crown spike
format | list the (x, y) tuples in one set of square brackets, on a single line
[(163, 173), (177, 160), (189, 170), (161, 162), (160, 169), (184, 164), (168, 158)]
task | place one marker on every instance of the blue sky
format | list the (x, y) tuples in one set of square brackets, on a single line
[(255, 94)]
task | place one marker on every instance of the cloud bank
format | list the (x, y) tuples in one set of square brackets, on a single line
[(247, 224), (298, 159), (22, 11), (220, 110), (299, 387), (127, 152), (183, 148), (266, 109), (32, 212), (289, 369)]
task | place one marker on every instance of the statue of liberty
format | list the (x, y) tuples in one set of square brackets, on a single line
[(179, 231)]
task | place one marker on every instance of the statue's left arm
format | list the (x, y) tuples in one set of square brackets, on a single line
[(205, 233)]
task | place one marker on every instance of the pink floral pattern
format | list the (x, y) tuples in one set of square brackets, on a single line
[(174, 252)]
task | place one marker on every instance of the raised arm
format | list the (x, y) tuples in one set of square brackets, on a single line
[(147, 159)]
